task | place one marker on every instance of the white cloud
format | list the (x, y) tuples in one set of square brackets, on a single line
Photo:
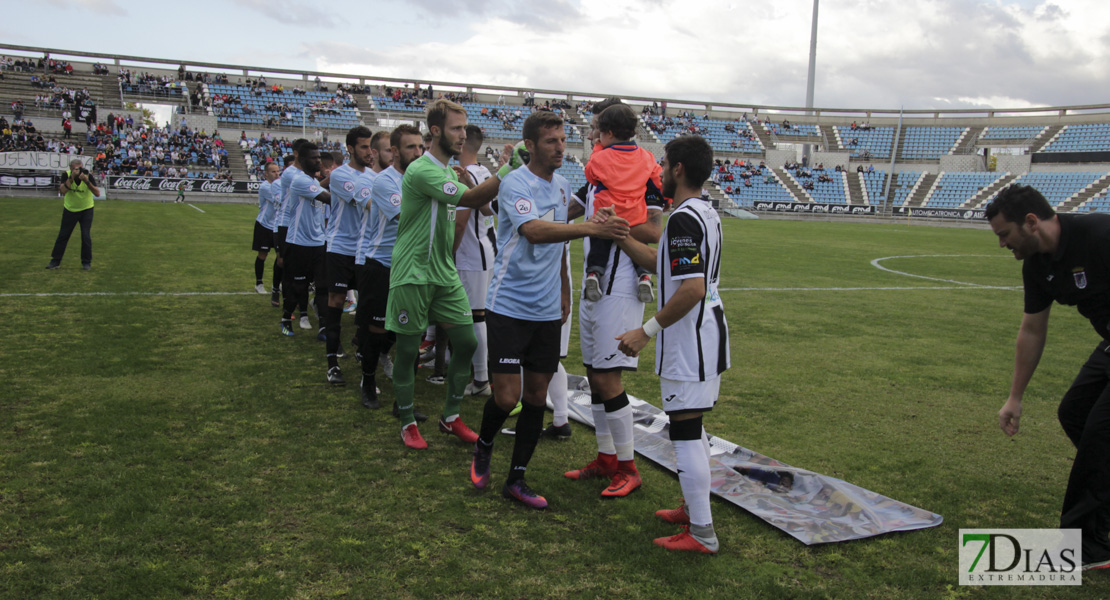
[(103, 7)]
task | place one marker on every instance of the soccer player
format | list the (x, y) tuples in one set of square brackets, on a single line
[(526, 305), (474, 253), (268, 204), (351, 185), (375, 256), (599, 322), (1066, 258), (424, 284), (304, 253), (691, 350), (285, 215)]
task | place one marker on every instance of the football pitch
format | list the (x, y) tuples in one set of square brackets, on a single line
[(160, 439)]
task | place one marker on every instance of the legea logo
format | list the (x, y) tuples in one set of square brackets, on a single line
[(1020, 557)]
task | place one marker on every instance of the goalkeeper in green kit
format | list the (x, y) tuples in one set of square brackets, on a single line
[(424, 285)]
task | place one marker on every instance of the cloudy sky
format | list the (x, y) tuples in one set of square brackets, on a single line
[(871, 53)]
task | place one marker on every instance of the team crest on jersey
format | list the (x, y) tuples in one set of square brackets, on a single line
[(364, 193), (1080, 277), (313, 189), (450, 189), (349, 186), (395, 199), (403, 317), (523, 206)]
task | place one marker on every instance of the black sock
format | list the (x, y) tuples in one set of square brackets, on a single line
[(528, 427), (259, 268), (332, 333), (277, 277), (492, 420), (370, 345)]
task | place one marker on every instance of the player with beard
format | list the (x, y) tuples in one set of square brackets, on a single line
[(285, 215), (306, 239), (351, 185), (268, 204), (424, 283), (691, 350), (375, 257)]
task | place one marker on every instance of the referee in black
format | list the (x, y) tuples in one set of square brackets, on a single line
[(1066, 258)]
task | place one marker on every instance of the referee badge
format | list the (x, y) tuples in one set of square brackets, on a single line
[(1080, 278), (403, 317)]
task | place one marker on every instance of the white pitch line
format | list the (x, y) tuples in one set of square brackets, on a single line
[(876, 288), (48, 294), (191, 204), (875, 263)]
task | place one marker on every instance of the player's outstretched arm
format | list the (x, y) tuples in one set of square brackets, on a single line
[(638, 251), (538, 231), (650, 231), (1030, 345), (690, 293)]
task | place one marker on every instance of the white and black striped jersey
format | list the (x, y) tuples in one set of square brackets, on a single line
[(477, 247), (695, 348)]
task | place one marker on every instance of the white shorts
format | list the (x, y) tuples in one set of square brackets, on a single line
[(599, 323), (689, 396), (476, 284)]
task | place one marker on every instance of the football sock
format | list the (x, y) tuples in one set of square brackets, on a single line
[(370, 344), (693, 468), (619, 415), (557, 390), (332, 333), (493, 417), (458, 368), (408, 346), (601, 426), (481, 352), (259, 269), (277, 277), (528, 427)]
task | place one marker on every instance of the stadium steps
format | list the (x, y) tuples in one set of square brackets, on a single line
[(109, 90), (1046, 137), (17, 86), (988, 192), (832, 142), (968, 141), (762, 134), (1099, 186), (922, 190), (901, 137), (853, 182), (792, 185), (367, 114), (236, 162)]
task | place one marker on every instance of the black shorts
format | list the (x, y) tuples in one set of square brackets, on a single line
[(373, 293), (340, 271), (279, 240), (516, 343), (263, 238), (304, 263)]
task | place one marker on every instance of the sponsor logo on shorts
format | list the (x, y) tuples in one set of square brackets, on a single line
[(349, 186), (450, 189), (395, 199), (523, 206), (1080, 276), (509, 361), (403, 317)]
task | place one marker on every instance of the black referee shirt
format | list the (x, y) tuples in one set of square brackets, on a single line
[(1077, 274)]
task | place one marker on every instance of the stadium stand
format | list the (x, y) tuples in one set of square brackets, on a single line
[(874, 181), (1089, 137), (1012, 133), (261, 105), (929, 143), (722, 135), (761, 185), (870, 143), (903, 184), (1057, 188), (954, 188)]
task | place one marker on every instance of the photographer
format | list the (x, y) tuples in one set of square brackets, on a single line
[(79, 188)]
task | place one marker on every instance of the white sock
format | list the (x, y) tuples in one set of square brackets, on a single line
[(620, 425), (481, 354), (557, 390), (693, 477), (430, 333), (601, 430), (350, 295)]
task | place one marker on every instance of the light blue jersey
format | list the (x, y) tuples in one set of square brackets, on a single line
[(286, 210), (267, 205), (306, 226), (279, 216), (379, 224), (350, 193), (526, 282)]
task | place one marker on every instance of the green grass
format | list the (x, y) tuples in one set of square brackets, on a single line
[(178, 447)]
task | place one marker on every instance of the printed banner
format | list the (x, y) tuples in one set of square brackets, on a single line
[(813, 508), (814, 208), (969, 214), (44, 181), (40, 161), (165, 184)]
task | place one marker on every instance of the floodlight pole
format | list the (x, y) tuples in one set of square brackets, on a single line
[(304, 121), (812, 74)]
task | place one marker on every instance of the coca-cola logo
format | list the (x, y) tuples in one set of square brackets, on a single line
[(138, 183), (223, 187), (171, 185)]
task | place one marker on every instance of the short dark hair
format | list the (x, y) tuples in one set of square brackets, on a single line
[(537, 122), (327, 157), (402, 130), (297, 143), (696, 157), (357, 133), (437, 112), (1015, 201), (288, 160), (600, 107), (474, 137), (305, 145), (619, 120), (378, 137), (336, 157)]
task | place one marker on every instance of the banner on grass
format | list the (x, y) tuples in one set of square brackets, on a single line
[(967, 214), (40, 161), (813, 208), (813, 508), (29, 182), (170, 185)]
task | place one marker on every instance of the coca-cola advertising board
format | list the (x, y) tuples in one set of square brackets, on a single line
[(167, 185)]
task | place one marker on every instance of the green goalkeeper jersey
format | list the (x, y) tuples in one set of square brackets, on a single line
[(422, 255)]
